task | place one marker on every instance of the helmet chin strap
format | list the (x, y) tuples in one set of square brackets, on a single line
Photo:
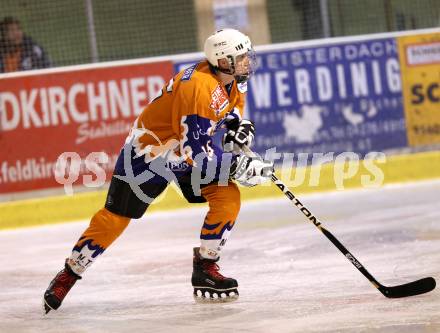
[(239, 78), (242, 78)]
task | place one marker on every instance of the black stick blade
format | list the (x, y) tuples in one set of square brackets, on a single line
[(409, 289)]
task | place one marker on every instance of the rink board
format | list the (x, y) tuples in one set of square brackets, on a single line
[(58, 209)]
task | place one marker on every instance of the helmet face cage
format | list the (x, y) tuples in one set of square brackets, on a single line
[(232, 60)]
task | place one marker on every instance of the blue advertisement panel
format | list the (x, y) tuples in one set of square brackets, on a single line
[(328, 98)]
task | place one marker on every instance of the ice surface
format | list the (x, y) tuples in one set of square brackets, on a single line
[(291, 278)]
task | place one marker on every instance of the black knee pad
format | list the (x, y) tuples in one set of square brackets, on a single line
[(123, 201), (188, 192)]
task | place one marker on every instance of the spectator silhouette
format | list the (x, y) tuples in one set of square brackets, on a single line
[(18, 52)]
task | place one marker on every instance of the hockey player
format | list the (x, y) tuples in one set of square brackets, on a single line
[(172, 141)]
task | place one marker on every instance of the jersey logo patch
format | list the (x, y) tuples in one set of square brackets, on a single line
[(187, 73), (242, 87), (219, 100)]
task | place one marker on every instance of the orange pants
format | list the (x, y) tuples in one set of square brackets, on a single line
[(103, 230), (224, 205), (105, 227)]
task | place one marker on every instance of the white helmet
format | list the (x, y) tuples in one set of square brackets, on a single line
[(227, 43)]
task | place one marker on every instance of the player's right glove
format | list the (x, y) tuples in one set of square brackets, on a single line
[(251, 171), (239, 133)]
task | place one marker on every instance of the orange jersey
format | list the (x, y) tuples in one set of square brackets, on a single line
[(186, 114)]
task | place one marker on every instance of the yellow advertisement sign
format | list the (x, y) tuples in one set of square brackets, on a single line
[(420, 67)]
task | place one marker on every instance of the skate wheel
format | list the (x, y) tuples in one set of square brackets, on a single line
[(206, 295)]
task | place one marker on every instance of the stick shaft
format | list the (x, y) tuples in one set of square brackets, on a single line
[(404, 290), (307, 213)]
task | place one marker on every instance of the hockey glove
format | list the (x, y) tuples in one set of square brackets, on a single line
[(251, 171), (239, 133)]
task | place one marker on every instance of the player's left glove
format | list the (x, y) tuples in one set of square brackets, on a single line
[(239, 133), (251, 171)]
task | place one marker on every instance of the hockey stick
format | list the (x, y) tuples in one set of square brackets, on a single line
[(404, 290)]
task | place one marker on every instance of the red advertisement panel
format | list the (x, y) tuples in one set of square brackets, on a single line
[(81, 111)]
